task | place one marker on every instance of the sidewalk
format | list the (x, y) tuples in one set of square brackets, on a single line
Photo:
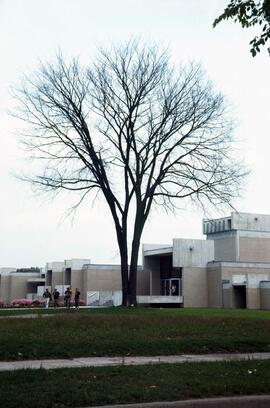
[(137, 360)]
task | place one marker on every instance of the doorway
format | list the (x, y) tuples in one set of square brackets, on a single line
[(239, 296), (170, 287)]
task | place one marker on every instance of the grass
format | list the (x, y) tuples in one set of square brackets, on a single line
[(120, 331), (144, 311), (127, 384)]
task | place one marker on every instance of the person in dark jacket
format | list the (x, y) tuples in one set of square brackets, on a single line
[(67, 297), (77, 298), (55, 295)]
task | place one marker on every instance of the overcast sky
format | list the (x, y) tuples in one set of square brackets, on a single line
[(33, 230)]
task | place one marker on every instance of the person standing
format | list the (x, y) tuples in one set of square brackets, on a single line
[(67, 297), (77, 298), (56, 295), (47, 296)]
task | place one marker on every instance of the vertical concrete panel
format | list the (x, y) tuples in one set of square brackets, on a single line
[(18, 287), (192, 252), (76, 281), (5, 288), (227, 296), (253, 289), (214, 280), (57, 279), (251, 222), (253, 298), (152, 266), (195, 287), (254, 249), (265, 295), (101, 279), (226, 248)]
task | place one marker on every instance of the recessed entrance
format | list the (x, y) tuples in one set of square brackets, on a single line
[(239, 296), (170, 287)]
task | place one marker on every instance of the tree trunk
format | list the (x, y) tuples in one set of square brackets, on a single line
[(124, 274), (123, 250), (132, 283)]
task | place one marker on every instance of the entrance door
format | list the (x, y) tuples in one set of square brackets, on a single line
[(239, 297), (175, 284), (170, 287)]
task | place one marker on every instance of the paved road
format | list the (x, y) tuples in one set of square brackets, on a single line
[(140, 360)]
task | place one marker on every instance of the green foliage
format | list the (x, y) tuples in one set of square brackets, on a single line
[(250, 13)]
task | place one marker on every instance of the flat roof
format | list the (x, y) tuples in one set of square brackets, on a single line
[(158, 251)]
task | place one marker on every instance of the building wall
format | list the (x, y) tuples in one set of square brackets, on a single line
[(152, 267), (214, 286), (226, 249), (265, 295), (195, 289), (18, 286), (103, 279), (143, 283), (227, 297), (254, 249), (253, 298), (231, 273), (57, 278), (77, 282), (5, 288), (250, 221), (192, 252)]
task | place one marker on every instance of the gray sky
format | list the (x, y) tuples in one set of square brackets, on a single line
[(33, 229)]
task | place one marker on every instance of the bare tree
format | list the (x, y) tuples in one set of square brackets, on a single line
[(134, 128)]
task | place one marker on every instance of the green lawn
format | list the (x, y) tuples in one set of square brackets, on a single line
[(237, 313), (133, 331), (110, 385)]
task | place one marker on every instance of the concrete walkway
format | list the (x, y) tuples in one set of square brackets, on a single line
[(140, 360)]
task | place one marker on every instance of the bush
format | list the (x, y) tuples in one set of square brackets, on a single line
[(37, 303), (21, 302)]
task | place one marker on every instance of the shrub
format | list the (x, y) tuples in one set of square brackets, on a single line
[(21, 302)]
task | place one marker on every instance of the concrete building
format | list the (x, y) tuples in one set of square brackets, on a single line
[(20, 283), (230, 268)]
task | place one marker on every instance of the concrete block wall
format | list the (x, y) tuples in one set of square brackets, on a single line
[(254, 248), (195, 290), (226, 246), (5, 288), (214, 285), (265, 295)]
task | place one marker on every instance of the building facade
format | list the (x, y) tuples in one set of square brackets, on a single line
[(230, 269)]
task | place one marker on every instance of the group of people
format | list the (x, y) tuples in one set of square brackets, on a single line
[(67, 297)]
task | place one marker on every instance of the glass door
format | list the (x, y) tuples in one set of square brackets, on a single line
[(170, 287)]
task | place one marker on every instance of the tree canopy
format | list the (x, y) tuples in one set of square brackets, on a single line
[(134, 128), (250, 13)]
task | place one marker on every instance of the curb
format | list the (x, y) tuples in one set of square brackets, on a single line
[(253, 401)]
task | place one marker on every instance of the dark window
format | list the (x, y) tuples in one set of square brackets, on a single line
[(49, 278), (68, 276)]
